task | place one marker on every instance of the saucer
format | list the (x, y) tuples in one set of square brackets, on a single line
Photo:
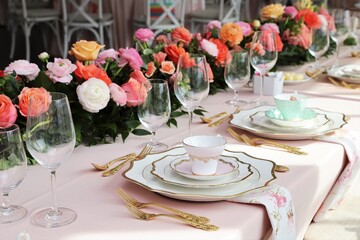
[(306, 118), (183, 167)]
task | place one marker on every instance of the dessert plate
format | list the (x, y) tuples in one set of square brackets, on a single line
[(140, 173), (242, 120), (304, 79), (162, 169), (306, 119), (226, 166), (347, 73)]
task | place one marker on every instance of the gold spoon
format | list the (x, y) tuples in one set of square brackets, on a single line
[(107, 165), (281, 168), (209, 119)]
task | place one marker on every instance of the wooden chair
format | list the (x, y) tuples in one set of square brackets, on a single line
[(28, 13), (224, 11), (86, 15), (161, 15)]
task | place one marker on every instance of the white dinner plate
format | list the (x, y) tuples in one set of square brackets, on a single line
[(226, 166), (162, 169), (140, 173), (347, 73), (242, 120), (319, 122)]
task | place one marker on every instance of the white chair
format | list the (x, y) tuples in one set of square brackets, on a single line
[(27, 14), (86, 15), (161, 15)]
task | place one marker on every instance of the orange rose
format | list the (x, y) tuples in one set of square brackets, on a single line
[(91, 71), (181, 34), (150, 69), (310, 18), (174, 52), (167, 67), (187, 61), (231, 33), (223, 51), (8, 113), (85, 50), (40, 101)]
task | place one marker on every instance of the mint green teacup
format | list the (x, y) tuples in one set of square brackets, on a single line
[(290, 105)]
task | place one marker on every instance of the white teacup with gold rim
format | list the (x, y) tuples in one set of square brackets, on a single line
[(204, 152)]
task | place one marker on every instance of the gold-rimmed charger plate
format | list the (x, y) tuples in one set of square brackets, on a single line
[(242, 120), (163, 171), (140, 173)]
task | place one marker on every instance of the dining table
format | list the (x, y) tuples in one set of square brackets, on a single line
[(103, 215)]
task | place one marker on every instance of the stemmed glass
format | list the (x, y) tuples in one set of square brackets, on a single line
[(50, 139), (342, 25), (319, 43), (263, 57), (237, 74), (155, 111), (191, 84), (12, 171)]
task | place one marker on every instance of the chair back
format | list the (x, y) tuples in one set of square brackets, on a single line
[(21, 7), (165, 14), (229, 10)]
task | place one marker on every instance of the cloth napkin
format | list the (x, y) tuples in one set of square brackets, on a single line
[(351, 144), (279, 206)]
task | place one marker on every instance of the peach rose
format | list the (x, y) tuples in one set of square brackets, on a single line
[(150, 69), (135, 92), (231, 33), (167, 67), (272, 12), (40, 101), (86, 50), (138, 76), (8, 113), (181, 34), (187, 61), (159, 57)]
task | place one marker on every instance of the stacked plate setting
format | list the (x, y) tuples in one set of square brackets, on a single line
[(169, 174), (266, 121)]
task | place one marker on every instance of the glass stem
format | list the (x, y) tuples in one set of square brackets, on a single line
[(6, 202), (261, 86), (236, 96), (153, 138), (54, 207), (190, 121)]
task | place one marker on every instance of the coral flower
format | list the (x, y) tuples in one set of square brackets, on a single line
[(151, 68), (181, 34), (8, 113), (167, 67), (159, 57), (310, 18), (91, 71), (40, 101), (174, 52), (231, 33), (223, 51)]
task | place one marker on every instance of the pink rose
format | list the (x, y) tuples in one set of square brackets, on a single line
[(167, 67), (209, 47), (60, 70), (302, 39), (245, 28), (138, 76), (130, 56), (118, 94), (135, 92), (144, 34), (213, 24), (159, 57), (291, 11), (23, 68), (271, 27), (111, 54), (8, 113), (330, 19), (40, 101)]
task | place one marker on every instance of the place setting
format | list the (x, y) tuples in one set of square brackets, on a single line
[(289, 119), (346, 75)]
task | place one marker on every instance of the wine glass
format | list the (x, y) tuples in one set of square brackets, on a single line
[(12, 171), (342, 25), (191, 84), (319, 44), (237, 74), (263, 57), (155, 111), (50, 139)]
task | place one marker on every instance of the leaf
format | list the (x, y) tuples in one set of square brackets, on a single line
[(140, 132), (148, 52)]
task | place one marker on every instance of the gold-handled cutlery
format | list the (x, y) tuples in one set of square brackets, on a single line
[(209, 119), (144, 152), (221, 120), (139, 214), (127, 198), (343, 84), (281, 168), (261, 141), (107, 165)]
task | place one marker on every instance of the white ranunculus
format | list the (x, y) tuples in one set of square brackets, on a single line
[(93, 95)]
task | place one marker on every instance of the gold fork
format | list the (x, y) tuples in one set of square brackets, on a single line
[(221, 120), (188, 216), (107, 165), (139, 214), (251, 142), (144, 152)]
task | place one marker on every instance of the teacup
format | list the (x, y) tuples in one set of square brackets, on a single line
[(204, 152), (290, 105)]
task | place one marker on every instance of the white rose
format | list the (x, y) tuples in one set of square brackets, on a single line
[(93, 95)]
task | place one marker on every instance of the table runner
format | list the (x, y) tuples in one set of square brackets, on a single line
[(279, 206), (351, 144)]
